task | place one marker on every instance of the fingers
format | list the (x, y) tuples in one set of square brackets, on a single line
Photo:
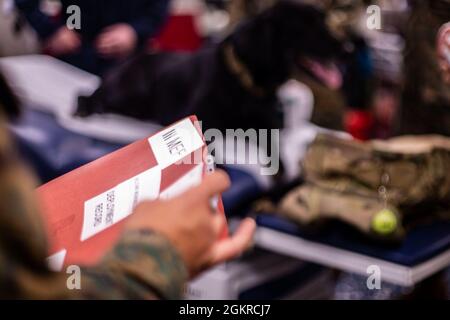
[(219, 224), (64, 41), (109, 29), (233, 247), (106, 46), (107, 52), (74, 40), (116, 40), (212, 185), (106, 39)]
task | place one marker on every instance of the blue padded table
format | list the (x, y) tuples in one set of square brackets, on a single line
[(52, 150), (244, 189), (424, 252)]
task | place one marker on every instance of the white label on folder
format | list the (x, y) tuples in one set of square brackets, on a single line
[(175, 143), (191, 179), (118, 203), (56, 261)]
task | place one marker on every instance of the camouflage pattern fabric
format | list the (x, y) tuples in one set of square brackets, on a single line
[(417, 167), (312, 205), (382, 188), (143, 265)]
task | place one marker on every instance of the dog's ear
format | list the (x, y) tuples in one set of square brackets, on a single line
[(9, 104)]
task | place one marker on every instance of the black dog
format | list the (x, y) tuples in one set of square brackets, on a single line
[(229, 86)]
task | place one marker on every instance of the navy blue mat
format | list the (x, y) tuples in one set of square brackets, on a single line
[(421, 244), (244, 189), (50, 149)]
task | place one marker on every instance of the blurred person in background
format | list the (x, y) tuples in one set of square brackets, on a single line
[(444, 52), (110, 30), (425, 107), (163, 244)]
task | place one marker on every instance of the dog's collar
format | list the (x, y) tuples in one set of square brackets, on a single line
[(240, 70)]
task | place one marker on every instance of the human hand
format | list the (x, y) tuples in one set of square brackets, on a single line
[(62, 42), (117, 41), (443, 48), (189, 223)]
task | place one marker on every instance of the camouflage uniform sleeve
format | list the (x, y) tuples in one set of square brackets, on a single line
[(143, 265)]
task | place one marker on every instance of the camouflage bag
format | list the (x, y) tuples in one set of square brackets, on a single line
[(379, 187), (312, 205), (413, 168)]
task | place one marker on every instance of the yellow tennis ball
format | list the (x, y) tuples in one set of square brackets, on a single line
[(385, 222)]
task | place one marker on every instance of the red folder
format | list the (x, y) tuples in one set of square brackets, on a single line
[(85, 210)]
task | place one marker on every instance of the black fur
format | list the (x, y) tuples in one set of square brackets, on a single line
[(165, 87), (8, 101)]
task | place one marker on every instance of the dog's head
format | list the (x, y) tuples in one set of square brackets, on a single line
[(287, 36)]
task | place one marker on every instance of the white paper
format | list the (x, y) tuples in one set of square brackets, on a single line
[(56, 261), (116, 204), (175, 143)]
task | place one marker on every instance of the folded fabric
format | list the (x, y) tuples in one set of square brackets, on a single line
[(381, 188), (310, 205), (413, 169)]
